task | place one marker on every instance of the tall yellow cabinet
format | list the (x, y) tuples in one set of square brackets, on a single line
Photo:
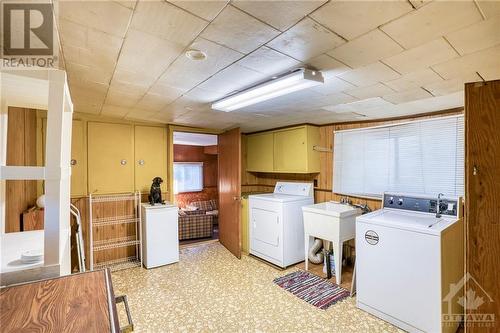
[(110, 158), (288, 150), (78, 160), (150, 156)]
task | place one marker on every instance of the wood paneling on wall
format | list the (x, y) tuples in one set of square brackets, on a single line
[(187, 153), (22, 136), (482, 115), (264, 182)]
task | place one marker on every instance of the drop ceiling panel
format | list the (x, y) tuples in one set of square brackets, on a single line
[(407, 96), (485, 60), (332, 85), (88, 74), (351, 19), (327, 65), (231, 79), (335, 99), (164, 20), (446, 87), (414, 80), (160, 88), (422, 56), (154, 102), (279, 14), (375, 90), (431, 21), (268, 61), (366, 49), (138, 114), (107, 16), (185, 73), (359, 106), (204, 9), (114, 111), (369, 74), (306, 40), (146, 53), (238, 31), (479, 36), (490, 8)]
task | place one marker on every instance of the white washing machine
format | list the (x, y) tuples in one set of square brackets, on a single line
[(276, 223), (406, 259)]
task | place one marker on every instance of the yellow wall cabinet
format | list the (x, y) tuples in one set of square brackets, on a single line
[(245, 243), (110, 158), (150, 156), (260, 150), (290, 150), (78, 160)]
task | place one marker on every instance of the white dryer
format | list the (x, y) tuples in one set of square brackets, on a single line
[(276, 223), (407, 256)]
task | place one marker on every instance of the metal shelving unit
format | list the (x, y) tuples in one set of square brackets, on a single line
[(104, 221)]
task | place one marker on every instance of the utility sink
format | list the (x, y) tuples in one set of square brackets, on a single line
[(332, 208), (330, 221)]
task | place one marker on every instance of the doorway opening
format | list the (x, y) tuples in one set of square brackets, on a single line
[(195, 185)]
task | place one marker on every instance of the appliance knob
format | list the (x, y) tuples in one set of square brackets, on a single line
[(391, 200), (400, 202)]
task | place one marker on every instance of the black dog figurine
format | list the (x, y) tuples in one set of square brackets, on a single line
[(155, 192)]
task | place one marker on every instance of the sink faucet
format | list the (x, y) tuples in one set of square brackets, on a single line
[(345, 200), (438, 204)]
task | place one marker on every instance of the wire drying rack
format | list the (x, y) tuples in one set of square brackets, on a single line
[(115, 231)]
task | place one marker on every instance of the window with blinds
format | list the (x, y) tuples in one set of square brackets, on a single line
[(424, 157), (188, 177)]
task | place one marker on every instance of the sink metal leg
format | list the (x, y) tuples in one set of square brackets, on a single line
[(338, 261)]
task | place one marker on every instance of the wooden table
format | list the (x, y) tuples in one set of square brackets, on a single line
[(82, 302)]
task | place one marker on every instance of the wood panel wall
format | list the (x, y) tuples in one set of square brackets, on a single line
[(22, 146), (264, 182), (207, 155), (482, 115)]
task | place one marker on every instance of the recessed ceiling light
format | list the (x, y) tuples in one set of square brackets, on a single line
[(194, 54)]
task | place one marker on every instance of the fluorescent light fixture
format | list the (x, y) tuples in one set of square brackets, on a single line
[(298, 80)]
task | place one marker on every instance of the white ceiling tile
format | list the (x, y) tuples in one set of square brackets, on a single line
[(366, 49), (482, 61), (268, 61), (87, 97), (418, 3), (327, 65), (336, 98), (153, 102), (359, 106), (332, 85), (431, 21), (146, 53), (106, 16), (238, 31), (434, 103), (422, 56), (207, 9), (88, 74), (414, 80), (442, 87), (375, 90), (351, 19), (407, 96), (164, 20), (160, 88), (476, 37), (369, 74), (203, 96), (114, 111), (139, 114), (185, 73), (279, 14), (124, 94), (136, 78), (489, 8), (306, 40), (231, 79)]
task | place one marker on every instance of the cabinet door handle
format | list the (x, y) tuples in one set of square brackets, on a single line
[(123, 162), (141, 162), (73, 161)]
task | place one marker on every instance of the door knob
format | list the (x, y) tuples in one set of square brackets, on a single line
[(236, 198), (474, 170)]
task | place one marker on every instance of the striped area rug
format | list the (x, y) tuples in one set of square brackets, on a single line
[(312, 289)]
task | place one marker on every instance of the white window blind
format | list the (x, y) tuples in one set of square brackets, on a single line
[(188, 177), (425, 156)]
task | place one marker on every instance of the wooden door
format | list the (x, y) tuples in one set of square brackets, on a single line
[(110, 158), (230, 191), (482, 114), (150, 157)]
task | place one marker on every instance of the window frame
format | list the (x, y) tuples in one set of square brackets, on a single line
[(201, 165)]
